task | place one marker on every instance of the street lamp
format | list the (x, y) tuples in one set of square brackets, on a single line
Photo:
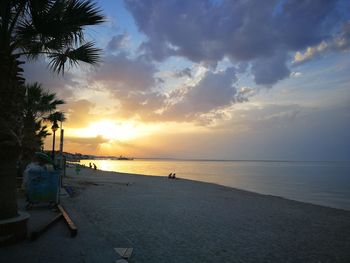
[(54, 129)]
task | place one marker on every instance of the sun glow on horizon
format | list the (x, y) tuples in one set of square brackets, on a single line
[(110, 130)]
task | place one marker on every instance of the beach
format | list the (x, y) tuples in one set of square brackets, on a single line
[(167, 220)]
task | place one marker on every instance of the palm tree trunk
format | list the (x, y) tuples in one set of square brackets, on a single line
[(11, 103), (30, 142), (8, 202)]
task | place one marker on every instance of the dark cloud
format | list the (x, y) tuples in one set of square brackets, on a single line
[(117, 42), (186, 72), (133, 83), (252, 31), (340, 41), (143, 105), (122, 73), (291, 132), (200, 102), (213, 92), (267, 117), (38, 71), (268, 71), (304, 23)]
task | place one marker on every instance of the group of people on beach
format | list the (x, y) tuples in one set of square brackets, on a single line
[(93, 165), (172, 176)]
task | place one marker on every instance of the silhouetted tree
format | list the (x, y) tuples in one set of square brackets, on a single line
[(38, 105), (29, 28)]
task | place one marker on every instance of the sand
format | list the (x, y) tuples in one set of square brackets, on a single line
[(167, 220)]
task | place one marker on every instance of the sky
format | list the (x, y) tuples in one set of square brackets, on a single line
[(211, 79)]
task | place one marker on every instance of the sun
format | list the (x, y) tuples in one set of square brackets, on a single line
[(110, 130)]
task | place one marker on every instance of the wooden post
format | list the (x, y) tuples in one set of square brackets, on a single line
[(35, 234), (61, 149), (72, 228)]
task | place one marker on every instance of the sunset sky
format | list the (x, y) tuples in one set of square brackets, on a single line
[(211, 79)]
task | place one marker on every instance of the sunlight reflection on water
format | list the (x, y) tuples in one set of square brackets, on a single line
[(324, 183)]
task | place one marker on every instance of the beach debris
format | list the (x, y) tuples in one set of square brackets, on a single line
[(62, 214), (69, 191), (124, 252), (42, 229), (72, 228)]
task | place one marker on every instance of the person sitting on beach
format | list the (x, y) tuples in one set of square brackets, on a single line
[(90, 166), (95, 167), (174, 176), (170, 175)]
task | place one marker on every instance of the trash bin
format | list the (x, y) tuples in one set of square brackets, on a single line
[(43, 186)]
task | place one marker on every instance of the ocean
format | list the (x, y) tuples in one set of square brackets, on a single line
[(322, 183)]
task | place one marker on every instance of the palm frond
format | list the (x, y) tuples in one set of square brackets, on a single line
[(56, 116), (86, 53), (83, 13), (64, 22), (39, 103), (42, 132), (52, 26)]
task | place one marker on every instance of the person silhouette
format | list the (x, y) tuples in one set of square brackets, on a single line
[(170, 175), (174, 176)]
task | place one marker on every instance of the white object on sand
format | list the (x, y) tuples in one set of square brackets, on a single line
[(124, 252)]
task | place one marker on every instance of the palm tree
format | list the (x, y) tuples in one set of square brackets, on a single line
[(30, 28), (37, 105), (54, 118)]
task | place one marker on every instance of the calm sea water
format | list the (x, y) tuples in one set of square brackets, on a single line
[(323, 183)]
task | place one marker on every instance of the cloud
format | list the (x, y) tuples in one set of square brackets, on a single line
[(132, 82), (79, 113), (310, 52), (186, 72), (262, 118), (288, 131), (212, 93), (141, 105), (87, 141), (244, 31), (199, 102), (118, 42), (338, 42), (244, 93), (90, 145), (118, 72), (295, 74), (268, 71), (38, 71)]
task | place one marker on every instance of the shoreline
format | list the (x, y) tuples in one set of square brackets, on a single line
[(228, 186), (168, 220)]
